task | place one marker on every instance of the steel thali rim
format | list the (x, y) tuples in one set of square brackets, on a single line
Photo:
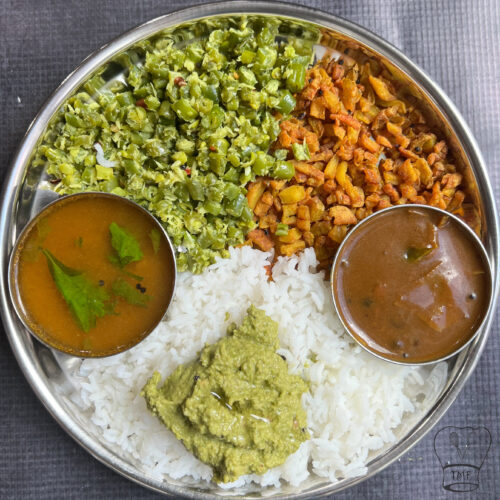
[(15, 177)]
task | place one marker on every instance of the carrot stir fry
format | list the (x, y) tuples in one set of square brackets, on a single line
[(356, 148)]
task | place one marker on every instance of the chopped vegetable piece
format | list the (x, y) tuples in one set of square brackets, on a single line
[(291, 236), (380, 88), (286, 104), (283, 170), (292, 194), (281, 230), (297, 77), (301, 151)]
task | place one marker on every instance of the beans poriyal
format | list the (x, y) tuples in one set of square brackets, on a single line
[(185, 129)]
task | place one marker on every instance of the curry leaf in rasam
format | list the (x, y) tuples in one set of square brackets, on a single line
[(126, 291), (127, 248), (86, 301)]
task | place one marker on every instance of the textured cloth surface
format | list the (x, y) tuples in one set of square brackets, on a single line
[(456, 42)]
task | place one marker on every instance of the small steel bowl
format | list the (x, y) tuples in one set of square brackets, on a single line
[(16, 297), (360, 227)]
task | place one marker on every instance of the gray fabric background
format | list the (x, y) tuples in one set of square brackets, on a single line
[(456, 42)]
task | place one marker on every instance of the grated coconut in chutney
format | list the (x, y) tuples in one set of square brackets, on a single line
[(235, 407)]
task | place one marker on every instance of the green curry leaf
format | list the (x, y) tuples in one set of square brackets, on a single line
[(86, 301), (125, 290), (413, 253), (126, 246)]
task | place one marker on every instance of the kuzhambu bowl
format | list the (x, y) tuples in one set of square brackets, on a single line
[(412, 284), (46, 369), (92, 274)]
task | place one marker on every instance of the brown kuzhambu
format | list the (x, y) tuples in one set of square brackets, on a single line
[(412, 284)]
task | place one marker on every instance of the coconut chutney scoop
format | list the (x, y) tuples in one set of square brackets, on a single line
[(412, 284)]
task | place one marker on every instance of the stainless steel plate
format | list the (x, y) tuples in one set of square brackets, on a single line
[(22, 198)]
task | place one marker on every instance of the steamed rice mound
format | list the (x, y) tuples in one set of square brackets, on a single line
[(357, 403)]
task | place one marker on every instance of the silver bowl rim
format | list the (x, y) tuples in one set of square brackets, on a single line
[(465, 230), (29, 227), (15, 177)]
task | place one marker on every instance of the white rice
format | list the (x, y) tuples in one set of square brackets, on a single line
[(357, 404)]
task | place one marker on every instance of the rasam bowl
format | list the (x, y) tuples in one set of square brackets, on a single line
[(149, 317), (24, 194)]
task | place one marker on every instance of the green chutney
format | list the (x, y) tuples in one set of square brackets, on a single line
[(235, 407)]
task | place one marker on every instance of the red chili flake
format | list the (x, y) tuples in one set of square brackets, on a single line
[(141, 103), (213, 148), (180, 82), (188, 171)]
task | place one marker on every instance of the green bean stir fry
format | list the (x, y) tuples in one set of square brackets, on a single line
[(182, 129)]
